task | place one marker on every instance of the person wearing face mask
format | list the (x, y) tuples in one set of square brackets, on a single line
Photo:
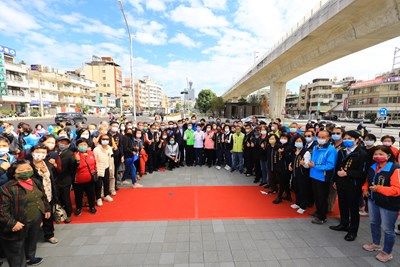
[(172, 153), (388, 141), (6, 159), (64, 175), (282, 169), (248, 150), (160, 151), (237, 150), (261, 145), (382, 188), (152, 139), (300, 174), (218, 146), (322, 169), (348, 180), (45, 172), (23, 204), (105, 169), (228, 144), (275, 128), (209, 146), (272, 154), (138, 146), (188, 137), (198, 146), (50, 142), (178, 135), (117, 150), (257, 155), (85, 166)]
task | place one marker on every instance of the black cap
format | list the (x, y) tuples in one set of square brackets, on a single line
[(63, 138)]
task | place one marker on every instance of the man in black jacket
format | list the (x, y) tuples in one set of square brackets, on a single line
[(349, 178)]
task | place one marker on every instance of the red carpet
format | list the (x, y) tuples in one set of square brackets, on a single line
[(189, 203)]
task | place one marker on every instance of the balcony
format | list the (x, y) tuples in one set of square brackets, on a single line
[(16, 98), (15, 67), (18, 83)]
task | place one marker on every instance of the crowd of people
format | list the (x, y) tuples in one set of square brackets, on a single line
[(318, 163)]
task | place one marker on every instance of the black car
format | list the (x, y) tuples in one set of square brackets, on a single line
[(70, 118)]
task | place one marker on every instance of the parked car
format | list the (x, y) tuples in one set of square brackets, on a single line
[(259, 117), (70, 118), (364, 120), (345, 119), (331, 117)]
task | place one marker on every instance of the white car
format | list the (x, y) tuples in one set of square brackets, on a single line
[(259, 117)]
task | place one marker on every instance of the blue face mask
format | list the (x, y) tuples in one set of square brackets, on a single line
[(298, 145), (82, 149), (348, 143), (336, 137), (309, 139), (172, 142), (3, 151)]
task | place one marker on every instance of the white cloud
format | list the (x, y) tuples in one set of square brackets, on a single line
[(184, 40), (39, 38), (156, 5), (200, 18), (14, 20), (150, 32), (215, 4), (137, 5)]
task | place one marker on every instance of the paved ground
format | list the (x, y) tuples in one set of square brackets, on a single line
[(224, 243)]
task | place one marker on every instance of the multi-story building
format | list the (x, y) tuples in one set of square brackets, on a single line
[(367, 97), (292, 103), (155, 94), (108, 76), (175, 103), (14, 86), (60, 91)]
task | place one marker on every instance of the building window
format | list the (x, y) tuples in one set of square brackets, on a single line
[(104, 71), (104, 78), (394, 87)]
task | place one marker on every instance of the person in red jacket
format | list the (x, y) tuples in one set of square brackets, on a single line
[(86, 165)]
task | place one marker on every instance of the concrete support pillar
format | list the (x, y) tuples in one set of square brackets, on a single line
[(277, 99)]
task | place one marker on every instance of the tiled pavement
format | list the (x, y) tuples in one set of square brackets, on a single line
[(224, 243)]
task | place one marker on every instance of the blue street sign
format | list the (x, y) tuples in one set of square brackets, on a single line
[(383, 111), (8, 51)]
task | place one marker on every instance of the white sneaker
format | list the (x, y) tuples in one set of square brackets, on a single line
[(108, 198), (126, 182), (227, 168), (137, 185), (301, 211), (113, 193), (363, 213), (295, 206), (99, 202), (218, 167)]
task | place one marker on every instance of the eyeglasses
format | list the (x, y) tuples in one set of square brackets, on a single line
[(308, 136)]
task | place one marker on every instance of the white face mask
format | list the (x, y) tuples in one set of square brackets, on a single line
[(283, 141), (51, 146), (86, 136), (321, 141), (38, 156), (104, 142), (369, 143)]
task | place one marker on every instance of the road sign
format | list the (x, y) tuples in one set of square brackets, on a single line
[(2, 70), (1, 63), (2, 78), (3, 92), (383, 112), (319, 106), (1, 56), (3, 85)]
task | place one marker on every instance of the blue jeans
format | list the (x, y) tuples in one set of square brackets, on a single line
[(219, 157), (237, 161), (382, 220), (264, 171), (130, 169), (228, 158)]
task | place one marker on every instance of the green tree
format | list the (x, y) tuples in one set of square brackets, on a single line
[(217, 105), (178, 107), (203, 102), (254, 99), (242, 100)]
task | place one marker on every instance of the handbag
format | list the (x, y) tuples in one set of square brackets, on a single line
[(94, 175), (59, 213)]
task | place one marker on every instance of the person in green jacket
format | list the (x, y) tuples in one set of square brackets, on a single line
[(188, 136), (237, 150)]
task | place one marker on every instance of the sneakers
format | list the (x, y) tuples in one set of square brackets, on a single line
[(99, 202), (52, 240), (92, 210), (295, 206), (113, 193), (318, 221), (300, 211), (363, 213), (137, 185), (68, 220), (371, 247), (108, 198), (227, 168), (34, 261), (384, 257), (218, 167), (126, 182), (397, 231)]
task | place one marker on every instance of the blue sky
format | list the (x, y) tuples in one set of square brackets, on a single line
[(211, 42)]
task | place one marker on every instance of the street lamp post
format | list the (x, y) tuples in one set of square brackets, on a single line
[(41, 97), (130, 61), (184, 92)]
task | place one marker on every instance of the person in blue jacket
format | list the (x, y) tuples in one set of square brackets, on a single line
[(322, 169), (6, 159)]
